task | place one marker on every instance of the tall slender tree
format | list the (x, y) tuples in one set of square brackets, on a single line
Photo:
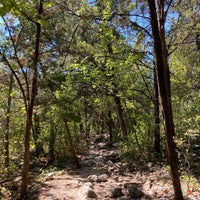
[(31, 102), (157, 16)]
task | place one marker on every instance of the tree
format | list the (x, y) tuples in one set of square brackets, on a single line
[(7, 122), (62, 102), (86, 67), (7, 6), (30, 106), (29, 92), (163, 77), (36, 134)]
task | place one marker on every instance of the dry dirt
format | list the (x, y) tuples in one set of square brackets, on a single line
[(102, 171)]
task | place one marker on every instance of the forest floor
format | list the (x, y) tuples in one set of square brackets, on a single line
[(103, 176)]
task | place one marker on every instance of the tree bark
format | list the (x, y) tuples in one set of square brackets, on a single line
[(29, 111), (7, 123), (110, 125), (52, 141), (163, 78), (120, 113), (71, 144), (36, 134), (23, 190)]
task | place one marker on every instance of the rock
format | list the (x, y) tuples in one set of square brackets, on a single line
[(126, 185), (122, 198), (113, 156), (91, 194), (102, 178), (100, 164), (99, 159), (88, 162), (89, 184), (86, 192), (49, 176), (133, 190), (116, 178), (50, 198), (102, 145), (92, 178), (147, 185), (100, 138), (150, 164), (110, 163), (116, 192), (17, 179)]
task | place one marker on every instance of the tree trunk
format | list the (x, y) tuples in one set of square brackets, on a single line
[(102, 123), (86, 111), (36, 134), (71, 144), (87, 124), (115, 94), (163, 78), (29, 110), (157, 148), (110, 125), (52, 141), (120, 113), (23, 190), (7, 123)]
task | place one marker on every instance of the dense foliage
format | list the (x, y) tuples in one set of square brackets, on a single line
[(74, 69)]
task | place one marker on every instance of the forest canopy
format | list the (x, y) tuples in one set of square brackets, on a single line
[(72, 70)]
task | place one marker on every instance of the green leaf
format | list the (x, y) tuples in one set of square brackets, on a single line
[(15, 67), (48, 4), (11, 94), (6, 6), (43, 22)]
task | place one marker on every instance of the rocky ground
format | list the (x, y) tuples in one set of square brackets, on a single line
[(103, 176)]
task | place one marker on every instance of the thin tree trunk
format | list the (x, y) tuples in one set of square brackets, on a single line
[(86, 111), (7, 123), (36, 134), (110, 125), (30, 107), (87, 129), (120, 114), (23, 190), (157, 148), (102, 123), (163, 78), (52, 141), (116, 97), (71, 144), (133, 130)]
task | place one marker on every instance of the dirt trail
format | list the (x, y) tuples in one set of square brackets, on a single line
[(103, 177)]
